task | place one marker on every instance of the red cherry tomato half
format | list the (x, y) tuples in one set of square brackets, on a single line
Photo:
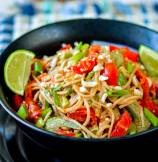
[(65, 133), (130, 55), (110, 71), (80, 115), (113, 48), (144, 83), (34, 111), (17, 101), (122, 125)]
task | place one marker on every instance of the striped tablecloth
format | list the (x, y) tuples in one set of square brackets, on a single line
[(22, 16)]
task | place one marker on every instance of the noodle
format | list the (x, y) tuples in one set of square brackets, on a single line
[(75, 106), (88, 113), (124, 71), (82, 95), (111, 114), (130, 79), (119, 100)]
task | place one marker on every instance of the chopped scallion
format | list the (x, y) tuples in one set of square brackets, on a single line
[(121, 80), (132, 129), (117, 93), (39, 123), (56, 99), (129, 67), (90, 75), (46, 111), (65, 101), (151, 117), (38, 67), (79, 135), (22, 112), (69, 92), (77, 57)]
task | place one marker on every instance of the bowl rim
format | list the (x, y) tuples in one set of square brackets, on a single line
[(28, 124)]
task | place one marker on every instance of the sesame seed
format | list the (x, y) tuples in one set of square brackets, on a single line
[(107, 119), (107, 56), (83, 89), (88, 84), (109, 60), (98, 67), (108, 105), (100, 57), (53, 62), (118, 88), (107, 48), (142, 67), (103, 78), (63, 44), (135, 80), (138, 92), (149, 82), (104, 97)]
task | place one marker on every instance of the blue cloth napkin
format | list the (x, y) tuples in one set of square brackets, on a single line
[(29, 15)]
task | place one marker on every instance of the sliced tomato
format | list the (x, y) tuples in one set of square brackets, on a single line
[(151, 105), (130, 55), (67, 46), (65, 133), (122, 125), (127, 53), (110, 71), (144, 83), (154, 89), (81, 114), (113, 48), (34, 111), (17, 101), (84, 66), (93, 118), (147, 101)]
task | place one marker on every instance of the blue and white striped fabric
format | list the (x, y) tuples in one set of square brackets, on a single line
[(27, 15), (6, 31)]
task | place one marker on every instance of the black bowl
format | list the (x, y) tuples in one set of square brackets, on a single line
[(45, 41)]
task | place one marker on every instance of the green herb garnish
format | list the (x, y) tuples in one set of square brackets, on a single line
[(117, 93)]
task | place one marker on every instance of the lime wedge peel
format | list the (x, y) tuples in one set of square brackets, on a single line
[(149, 58), (17, 70)]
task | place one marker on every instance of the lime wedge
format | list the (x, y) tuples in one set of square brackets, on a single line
[(149, 58), (17, 70)]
